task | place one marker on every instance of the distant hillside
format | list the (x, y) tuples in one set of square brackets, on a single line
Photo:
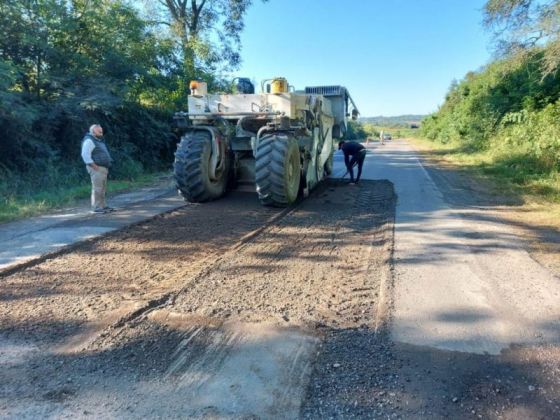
[(398, 121)]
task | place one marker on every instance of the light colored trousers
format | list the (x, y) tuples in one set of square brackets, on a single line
[(98, 186)]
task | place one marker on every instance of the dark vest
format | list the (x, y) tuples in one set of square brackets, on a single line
[(100, 154)]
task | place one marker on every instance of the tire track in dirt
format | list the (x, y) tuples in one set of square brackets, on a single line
[(313, 267)]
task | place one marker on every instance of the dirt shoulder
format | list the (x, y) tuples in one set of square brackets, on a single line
[(535, 221)]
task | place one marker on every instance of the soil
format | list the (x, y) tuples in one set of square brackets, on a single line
[(113, 327)]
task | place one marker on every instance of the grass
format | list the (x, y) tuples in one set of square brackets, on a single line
[(510, 172), (33, 202)]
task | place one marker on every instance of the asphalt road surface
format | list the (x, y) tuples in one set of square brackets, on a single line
[(381, 300)]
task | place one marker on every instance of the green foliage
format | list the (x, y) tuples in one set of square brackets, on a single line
[(371, 130), (509, 111), (481, 106), (207, 33), (66, 64), (58, 45), (537, 133), (521, 25), (355, 131)]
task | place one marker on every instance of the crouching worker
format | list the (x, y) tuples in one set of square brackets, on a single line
[(354, 154), (98, 161)]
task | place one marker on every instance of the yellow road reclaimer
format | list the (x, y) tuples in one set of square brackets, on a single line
[(280, 140)]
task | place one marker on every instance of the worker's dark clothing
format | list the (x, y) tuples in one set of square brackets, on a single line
[(354, 154)]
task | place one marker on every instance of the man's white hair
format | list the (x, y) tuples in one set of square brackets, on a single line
[(93, 127)]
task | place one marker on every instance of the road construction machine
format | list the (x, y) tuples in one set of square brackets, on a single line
[(280, 140)]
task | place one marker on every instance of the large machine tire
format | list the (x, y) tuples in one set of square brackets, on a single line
[(278, 170), (191, 169)]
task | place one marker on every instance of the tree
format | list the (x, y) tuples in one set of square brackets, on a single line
[(64, 63), (208, 32), (62, 47), (524, 26), (25, 41)]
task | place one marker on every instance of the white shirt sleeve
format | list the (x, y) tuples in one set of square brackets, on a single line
[(87, 148)]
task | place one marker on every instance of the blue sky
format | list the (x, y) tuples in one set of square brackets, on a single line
[(395, 56)]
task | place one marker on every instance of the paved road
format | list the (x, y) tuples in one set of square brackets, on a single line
[(463, 281)]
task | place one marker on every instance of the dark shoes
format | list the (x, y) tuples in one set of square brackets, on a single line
[(103, 210)]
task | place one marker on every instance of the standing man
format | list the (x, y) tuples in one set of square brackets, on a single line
[(381, 137), (354, 154), (98, 161)]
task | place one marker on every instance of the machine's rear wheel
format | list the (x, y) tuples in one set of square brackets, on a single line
[(192, 171), (278, 170)]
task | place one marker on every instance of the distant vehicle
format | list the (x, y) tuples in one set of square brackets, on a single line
[(387, 136)]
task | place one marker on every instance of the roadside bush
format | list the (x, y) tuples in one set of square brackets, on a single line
[(507, 107), (537, 133), (40, 148)]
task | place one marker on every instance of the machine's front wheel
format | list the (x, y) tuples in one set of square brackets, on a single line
[(278, 170), (199, 176)]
